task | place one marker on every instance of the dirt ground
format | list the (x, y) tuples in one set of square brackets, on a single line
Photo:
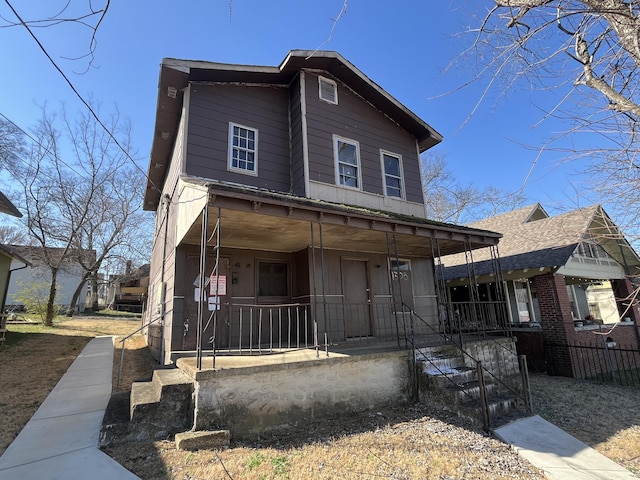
[(416, 442)]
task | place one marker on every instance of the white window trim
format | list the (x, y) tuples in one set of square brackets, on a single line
[(384, 174), (335, 89), (230, 166), (336, 161)]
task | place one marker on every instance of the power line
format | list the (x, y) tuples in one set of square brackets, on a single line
[(37, 142), (73, 88)]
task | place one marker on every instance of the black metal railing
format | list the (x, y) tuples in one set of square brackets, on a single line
[(255, 329), (500, 369), (485, 317), (608, 362)]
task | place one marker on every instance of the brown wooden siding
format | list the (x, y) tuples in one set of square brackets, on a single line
[(355, 119), (297, 153), (211, 109), (163, 258)]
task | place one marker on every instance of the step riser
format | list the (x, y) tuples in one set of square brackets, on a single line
[(453, 383)]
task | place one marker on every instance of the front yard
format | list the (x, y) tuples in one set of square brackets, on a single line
[(419, 442)]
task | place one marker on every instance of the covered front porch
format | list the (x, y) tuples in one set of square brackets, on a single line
[(259, 272)]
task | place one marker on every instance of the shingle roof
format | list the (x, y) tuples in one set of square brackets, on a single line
[(532, 239)]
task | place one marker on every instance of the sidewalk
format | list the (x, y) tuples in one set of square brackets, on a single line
[(61, 439), (561, 456)]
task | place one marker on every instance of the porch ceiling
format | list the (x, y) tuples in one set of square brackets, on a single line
[(272, 225)]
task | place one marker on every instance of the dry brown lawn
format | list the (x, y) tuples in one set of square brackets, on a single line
[(416, 442)]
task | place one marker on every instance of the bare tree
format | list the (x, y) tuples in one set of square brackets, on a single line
[(12, 235), (82, 194), (588, 53), (60, 14), (447, 200)]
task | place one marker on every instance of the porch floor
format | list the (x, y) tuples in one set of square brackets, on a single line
[(231, 359)]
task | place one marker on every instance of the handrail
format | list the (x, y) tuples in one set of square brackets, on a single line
[(122, 347), (461, 350)]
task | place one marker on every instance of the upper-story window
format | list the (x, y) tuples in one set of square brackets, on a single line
[(243, 149), (328, 90), (347, 156), (392, 169)]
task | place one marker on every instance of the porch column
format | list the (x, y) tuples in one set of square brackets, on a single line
[(623, 291), (556, 321)]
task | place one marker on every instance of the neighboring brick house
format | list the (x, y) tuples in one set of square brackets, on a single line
[(307, 180), (567, 280)]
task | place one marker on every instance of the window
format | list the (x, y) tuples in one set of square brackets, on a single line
[(273, 279), (392, 168), (399, 265), (347, 162), (328, 90), (243, 149)]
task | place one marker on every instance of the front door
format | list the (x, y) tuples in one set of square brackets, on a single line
[(357, 307)]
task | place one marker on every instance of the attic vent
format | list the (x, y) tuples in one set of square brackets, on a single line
[(328, 90), (172, 92)]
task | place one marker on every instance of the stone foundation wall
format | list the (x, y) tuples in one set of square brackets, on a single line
[(498, 357), (255, 400)]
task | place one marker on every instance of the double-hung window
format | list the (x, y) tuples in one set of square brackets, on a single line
[(392, 170), (347, 157), (243, 149)]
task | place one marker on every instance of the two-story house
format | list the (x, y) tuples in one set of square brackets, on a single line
[(289, 209)]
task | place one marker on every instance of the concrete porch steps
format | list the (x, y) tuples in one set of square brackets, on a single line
[(444, 376), (156, 409)]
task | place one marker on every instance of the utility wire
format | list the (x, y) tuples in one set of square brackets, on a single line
[(73, 88), (37, 142)]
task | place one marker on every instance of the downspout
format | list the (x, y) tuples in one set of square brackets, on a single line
[(163, 308)]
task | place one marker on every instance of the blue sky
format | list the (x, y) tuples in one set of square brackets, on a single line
[(404, 46)]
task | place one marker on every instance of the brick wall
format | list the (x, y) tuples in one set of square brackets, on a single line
[(566, 346), (556, 321)]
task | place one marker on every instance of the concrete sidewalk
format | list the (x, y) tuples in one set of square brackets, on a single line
[(61, 439), (561, 456)]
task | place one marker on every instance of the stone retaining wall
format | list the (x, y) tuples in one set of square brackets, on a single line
[(258, 399)]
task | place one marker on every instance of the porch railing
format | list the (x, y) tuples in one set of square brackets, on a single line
[(256, 329), (484, 317)]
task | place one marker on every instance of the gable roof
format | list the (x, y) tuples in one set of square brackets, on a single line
[(34, 255), (176, 74), (533, 240)]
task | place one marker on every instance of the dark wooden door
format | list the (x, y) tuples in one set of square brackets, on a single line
[(357, 307)]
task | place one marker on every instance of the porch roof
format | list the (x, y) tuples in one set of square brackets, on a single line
[(535, 243), (264, 220)]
